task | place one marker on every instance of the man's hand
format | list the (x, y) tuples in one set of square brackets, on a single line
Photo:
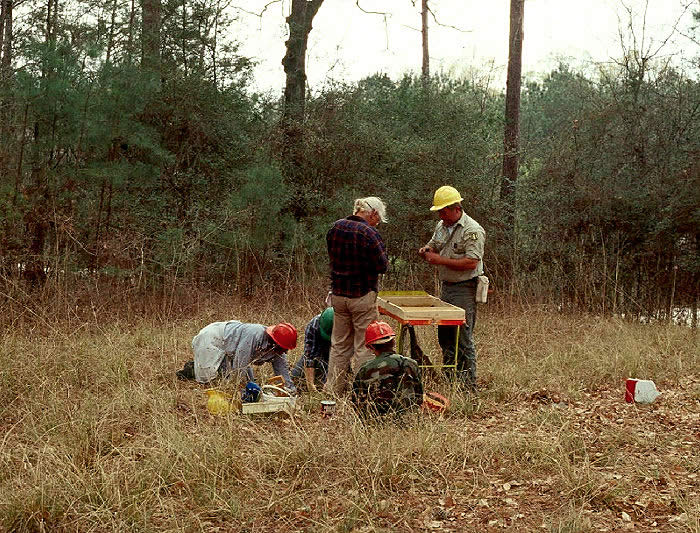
[(310, 374), (424, 250), (432, 258)]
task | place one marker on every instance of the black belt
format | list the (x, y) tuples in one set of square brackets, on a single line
[(471, 281)]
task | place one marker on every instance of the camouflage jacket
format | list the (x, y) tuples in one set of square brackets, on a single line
[(387, 383)]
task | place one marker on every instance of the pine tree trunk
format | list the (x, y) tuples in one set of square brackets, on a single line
[(130, 34), (54, 20), (512, 127), (150, 56), (6, 40), (20, 157), (6, 103), (215, 43), (424, 32), (183, 42), (3, 4), (110, 38)]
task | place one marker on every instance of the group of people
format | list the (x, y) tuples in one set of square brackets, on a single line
[(346, 346)]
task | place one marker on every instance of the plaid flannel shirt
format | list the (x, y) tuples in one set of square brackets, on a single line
[(357, 257), (316, 348)]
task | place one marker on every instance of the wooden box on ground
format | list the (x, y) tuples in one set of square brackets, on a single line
[(418, 307), (287, 405)]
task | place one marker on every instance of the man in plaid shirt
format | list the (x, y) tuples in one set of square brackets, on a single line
[(357, 258)]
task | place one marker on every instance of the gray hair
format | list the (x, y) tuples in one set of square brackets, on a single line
[(369, 204)]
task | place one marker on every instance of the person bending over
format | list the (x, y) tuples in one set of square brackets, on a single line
[(313, 364), (228, 349)]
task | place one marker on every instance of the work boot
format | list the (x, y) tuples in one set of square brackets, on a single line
[(187, 372)]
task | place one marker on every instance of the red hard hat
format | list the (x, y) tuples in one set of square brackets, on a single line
[(378, 332), (284, 334)]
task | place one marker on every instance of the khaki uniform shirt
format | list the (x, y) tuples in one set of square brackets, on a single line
[(465, 238)]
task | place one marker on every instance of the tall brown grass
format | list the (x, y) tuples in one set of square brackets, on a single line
[(96, 434)]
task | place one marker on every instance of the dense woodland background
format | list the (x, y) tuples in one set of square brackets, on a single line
[(134, 155)]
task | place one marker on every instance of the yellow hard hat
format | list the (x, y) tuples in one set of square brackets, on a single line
[(445, 196), (219, 403)]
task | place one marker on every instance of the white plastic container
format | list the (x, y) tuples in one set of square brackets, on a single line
[(640, 391), (272, 400), (327, 408)]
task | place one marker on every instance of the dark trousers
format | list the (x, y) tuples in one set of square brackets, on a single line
[(462, 295)]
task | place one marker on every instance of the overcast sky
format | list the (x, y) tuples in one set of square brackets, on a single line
[(347, 44)]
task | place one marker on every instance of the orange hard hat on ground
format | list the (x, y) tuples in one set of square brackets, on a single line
[(435, 401), (378, 333), (284, 334)]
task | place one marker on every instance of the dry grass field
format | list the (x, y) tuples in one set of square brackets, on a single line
[(96, 434)]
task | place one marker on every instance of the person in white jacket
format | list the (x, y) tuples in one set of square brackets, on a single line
[(227, 349)]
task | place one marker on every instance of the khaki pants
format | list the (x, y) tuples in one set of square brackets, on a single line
[(351, 318)]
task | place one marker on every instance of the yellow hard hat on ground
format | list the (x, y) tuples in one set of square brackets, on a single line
[(445, 196), (219, 403)]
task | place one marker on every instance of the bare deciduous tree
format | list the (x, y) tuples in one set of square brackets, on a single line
[(294, 61)]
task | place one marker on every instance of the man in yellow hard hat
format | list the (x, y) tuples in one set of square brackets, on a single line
[(457, 249)]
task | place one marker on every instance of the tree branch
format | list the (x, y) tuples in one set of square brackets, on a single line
[(357, 3), (436, 22), (446, 25), (259, 15), (674, 29), (643, 50)]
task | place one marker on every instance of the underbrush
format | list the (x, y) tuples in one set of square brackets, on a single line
[(97, 434)]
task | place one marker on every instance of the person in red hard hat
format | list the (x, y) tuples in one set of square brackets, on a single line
[(228, 349), (389, 383)]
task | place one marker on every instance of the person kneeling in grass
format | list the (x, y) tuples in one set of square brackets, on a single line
[(227, 349), (389, 383), (313, 364)]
